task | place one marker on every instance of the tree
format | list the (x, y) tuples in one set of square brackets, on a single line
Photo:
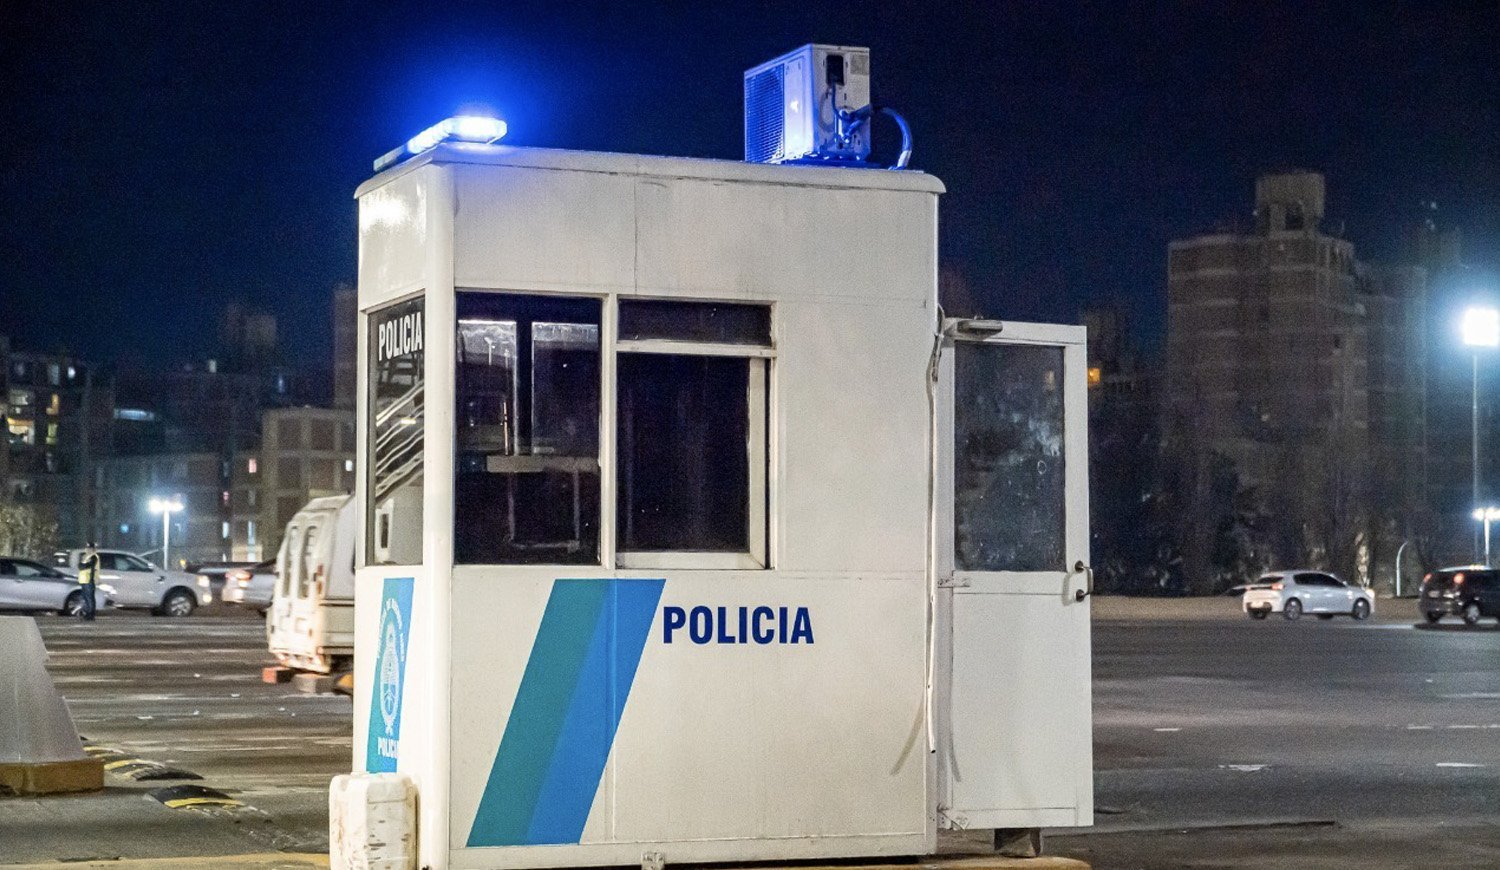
[(26, 530)]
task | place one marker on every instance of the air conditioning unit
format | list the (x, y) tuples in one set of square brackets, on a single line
[(798, 107)]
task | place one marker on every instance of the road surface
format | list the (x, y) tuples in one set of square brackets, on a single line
[(1219, 742)]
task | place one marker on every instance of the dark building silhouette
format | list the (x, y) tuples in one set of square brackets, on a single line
[(1455, 284), (1295, 395)]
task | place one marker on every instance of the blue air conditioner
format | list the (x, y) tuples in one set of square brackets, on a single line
[(808, 106)]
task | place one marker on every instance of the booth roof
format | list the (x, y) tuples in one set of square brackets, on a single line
[(663, 167)]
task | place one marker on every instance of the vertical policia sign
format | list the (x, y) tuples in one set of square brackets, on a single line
[(384, 741)]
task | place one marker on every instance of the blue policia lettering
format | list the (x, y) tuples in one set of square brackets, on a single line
[(760, 625), (383, 733), (567, 709)]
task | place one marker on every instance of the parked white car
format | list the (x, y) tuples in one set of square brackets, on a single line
[(1293, 593), (138, 583), (251, 587), (28, 585)]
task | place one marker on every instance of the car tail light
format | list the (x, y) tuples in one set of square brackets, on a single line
[(1277, 586), (318, 582), (1427, 578), (1458, 579)]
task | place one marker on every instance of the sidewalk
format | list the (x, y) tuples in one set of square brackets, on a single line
[(265, 861)]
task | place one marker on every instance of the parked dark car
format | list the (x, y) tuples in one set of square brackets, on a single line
[(1470, 592)]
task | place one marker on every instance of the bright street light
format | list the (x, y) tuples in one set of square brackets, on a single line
[(1481, 326), (166, 507)]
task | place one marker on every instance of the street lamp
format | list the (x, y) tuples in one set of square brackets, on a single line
[(166, 507), (1481, 329), (1487, 515)]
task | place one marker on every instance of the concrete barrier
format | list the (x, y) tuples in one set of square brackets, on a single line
[(40, 752)]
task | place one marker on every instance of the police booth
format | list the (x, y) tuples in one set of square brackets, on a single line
[(692, 531)]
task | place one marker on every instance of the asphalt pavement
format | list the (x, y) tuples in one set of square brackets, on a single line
[(1219, 742), (184, 694), (1225, 742)]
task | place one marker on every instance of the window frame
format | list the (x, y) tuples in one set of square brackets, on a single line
[(760, 409), (366, 444), (761, 400), (603, 456)]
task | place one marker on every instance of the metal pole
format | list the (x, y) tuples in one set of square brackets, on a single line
[(1399, 550), (1474, 442), (1486, 538), (166, 539)]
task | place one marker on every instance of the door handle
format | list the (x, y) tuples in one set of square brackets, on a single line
[(1080, 568)]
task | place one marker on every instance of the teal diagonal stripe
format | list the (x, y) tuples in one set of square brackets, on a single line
[(537, 716)]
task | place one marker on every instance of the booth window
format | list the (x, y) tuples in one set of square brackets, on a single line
[(527, 421), (692, 434), (1008, 480), (396, 422)]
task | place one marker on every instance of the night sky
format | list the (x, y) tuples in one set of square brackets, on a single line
[(159, 160)]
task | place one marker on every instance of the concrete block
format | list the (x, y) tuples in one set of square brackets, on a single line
[(276, 674), (372, 822), (313, 684), (40, 751), (52, 777)]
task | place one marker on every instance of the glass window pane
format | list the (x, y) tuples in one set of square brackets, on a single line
[(684, 480), (527, 487), (395, 436), (710, 322), (305, 565), (1008, 458)]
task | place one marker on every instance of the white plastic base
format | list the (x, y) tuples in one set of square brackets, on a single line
[(372, 822)]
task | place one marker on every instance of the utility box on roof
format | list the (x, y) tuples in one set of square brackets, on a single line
[(654, 561)]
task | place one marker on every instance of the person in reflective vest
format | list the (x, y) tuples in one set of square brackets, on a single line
[(88, 578)]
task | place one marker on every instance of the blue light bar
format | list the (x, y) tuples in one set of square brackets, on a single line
[(462, 128)]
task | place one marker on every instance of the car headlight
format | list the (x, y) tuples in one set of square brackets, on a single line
[(244, 583), (204, 581)]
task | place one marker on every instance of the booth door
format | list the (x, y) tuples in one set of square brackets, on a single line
[(1012, 560)]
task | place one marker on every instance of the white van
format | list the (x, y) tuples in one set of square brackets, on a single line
[(310, 625)]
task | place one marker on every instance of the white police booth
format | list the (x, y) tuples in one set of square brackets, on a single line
[(692, 532)]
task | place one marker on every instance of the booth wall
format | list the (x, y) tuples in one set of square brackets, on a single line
[(724, 750)]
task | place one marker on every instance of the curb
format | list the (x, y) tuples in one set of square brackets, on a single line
[(306, 861), (987, 862), (265, 860)]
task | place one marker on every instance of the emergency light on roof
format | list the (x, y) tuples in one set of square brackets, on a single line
[(462, 128)]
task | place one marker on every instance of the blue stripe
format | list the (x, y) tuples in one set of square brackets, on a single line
[(567, 710)]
